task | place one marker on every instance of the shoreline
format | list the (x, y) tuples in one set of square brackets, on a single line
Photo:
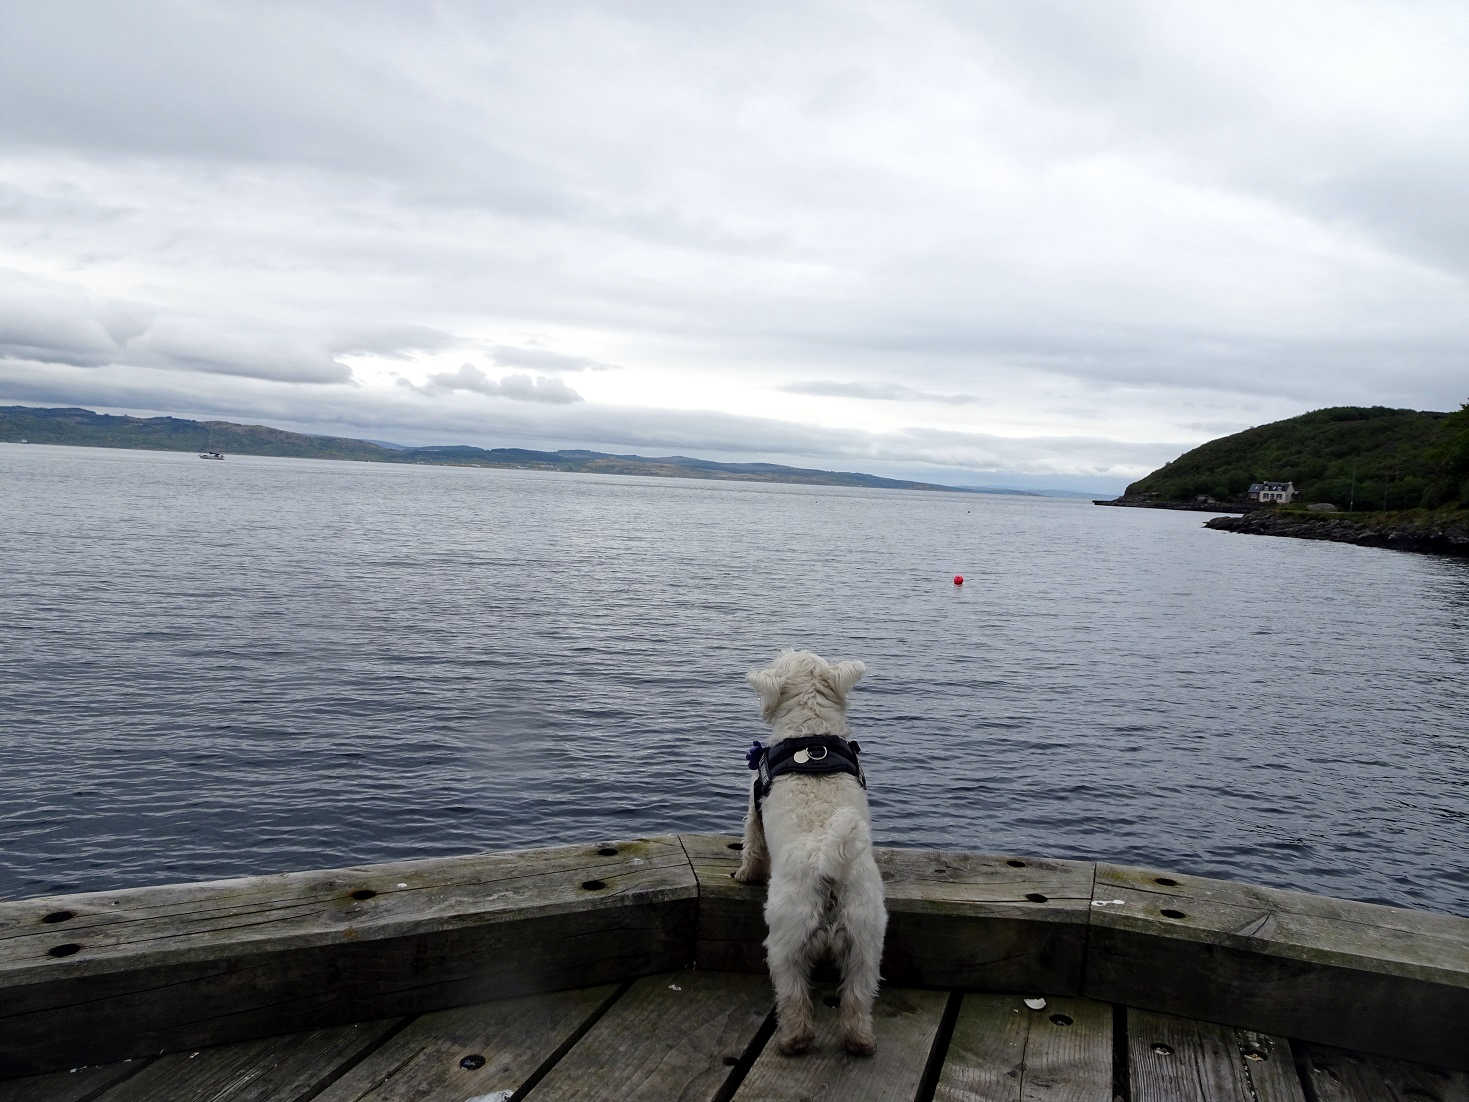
[(1231, 507), (1430, 535)]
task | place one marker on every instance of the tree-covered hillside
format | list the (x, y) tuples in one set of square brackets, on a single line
[(82, 427), (1370, 458)]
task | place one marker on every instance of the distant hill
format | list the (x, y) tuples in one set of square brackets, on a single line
[(1375, 457), (84, 428)]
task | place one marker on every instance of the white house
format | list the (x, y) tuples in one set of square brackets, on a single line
[(1281, 492)]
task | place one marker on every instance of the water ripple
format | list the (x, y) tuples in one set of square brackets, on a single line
[(280, 664)]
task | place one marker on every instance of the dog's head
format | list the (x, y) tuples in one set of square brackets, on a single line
[(801, 677)]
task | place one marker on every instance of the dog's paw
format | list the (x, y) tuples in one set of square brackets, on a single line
[(796, 1044), (749, 874), (859, 1046)]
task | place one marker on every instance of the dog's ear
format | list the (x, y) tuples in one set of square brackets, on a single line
[(767, 684), (847, 674)]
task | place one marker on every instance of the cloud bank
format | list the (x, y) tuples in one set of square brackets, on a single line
[(988, 237)]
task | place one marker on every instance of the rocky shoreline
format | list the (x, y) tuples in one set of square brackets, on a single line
[(1125, 502), (1431, 534)]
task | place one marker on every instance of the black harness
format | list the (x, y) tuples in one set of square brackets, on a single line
[(806, 754)]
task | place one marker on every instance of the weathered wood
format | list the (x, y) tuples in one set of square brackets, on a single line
[(1004, 1051), (1177, 1060), (277, 1069), (142, 927), (92, 978), (671, 1037), (1339, 1076), (954, 919), (72, 1085), (1355, 975), (906, 1022), (988, 923), (470, 1051), (248, 958), (731, 927)]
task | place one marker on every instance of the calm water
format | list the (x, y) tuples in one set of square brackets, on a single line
[(211, 669)]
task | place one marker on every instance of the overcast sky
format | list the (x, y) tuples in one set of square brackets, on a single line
[(1035, 243)]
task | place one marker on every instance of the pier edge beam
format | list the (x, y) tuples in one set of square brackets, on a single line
[(104, 976), (113, 975)]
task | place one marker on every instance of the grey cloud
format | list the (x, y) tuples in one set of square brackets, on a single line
[(520, 388), (23, 205), (209, 347), (79, 342), (44, 321), (877, 392), (397, 342), (540, 389), (1415, 206), (39, 321), (541, 359), (1378, 366), (302, 87), (1368, 128), (468, 377)]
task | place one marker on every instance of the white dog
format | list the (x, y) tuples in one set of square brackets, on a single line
[(808, 831)]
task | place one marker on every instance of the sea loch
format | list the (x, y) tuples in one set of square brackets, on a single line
[(211, 669)]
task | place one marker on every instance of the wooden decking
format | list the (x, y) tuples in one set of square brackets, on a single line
[(633, 969), (704, 1036)]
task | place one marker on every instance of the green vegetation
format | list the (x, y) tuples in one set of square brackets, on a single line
[(82, 427), (1352, 456)]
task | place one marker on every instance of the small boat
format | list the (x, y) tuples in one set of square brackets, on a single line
[(211, 455)]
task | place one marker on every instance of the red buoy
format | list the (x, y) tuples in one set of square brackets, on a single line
[(958, 579)]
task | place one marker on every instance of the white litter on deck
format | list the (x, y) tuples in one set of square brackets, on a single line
[(1036, 1003)]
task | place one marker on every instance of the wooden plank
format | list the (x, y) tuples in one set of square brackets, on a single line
[(277, 1069), (1354, 975), (906, 1022), (256, 995), (1004, 1051), (731, 926), (249, 958), (674, 1036), (1174, 1059), (1339, 1076), (451, 1055), (984, 922), (72, 1085), (142, 927), (94, 978), (954, 919)]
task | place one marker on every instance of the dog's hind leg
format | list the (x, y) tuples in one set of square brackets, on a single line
[(754, 858), (860, 923), (794, 925)]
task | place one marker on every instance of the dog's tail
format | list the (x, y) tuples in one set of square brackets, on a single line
[(846, 838)]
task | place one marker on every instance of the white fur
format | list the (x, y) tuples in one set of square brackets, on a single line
[(812, 838)]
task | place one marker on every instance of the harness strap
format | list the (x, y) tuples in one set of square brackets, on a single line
[(805, 754)]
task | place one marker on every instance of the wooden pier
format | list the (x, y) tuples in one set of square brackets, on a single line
[(633, 970)]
